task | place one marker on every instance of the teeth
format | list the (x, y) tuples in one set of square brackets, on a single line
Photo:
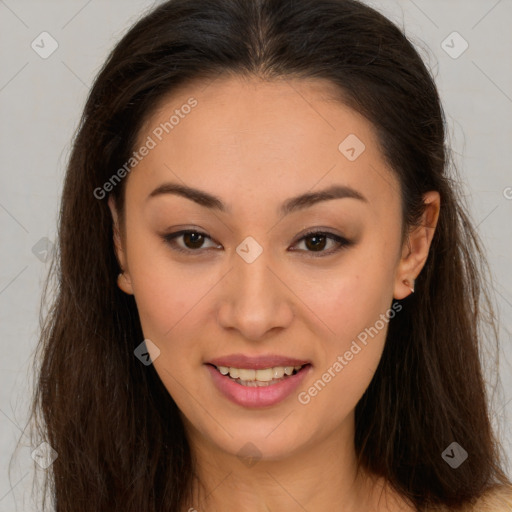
[(265, 375)]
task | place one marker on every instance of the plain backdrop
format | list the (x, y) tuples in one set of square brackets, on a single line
[(466, 43)]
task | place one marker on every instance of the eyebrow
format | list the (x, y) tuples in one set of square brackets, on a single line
[(289, 206)]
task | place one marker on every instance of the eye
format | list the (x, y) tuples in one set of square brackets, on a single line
[(316, 241), (191, 240)]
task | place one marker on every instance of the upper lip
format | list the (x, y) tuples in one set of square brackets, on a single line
[(256, 362)]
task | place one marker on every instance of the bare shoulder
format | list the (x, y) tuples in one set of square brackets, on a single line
[(497, 499)]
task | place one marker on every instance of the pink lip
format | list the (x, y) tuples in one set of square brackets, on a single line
[(257, 362), (257, 396)]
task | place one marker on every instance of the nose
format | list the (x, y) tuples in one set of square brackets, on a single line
[(255, 299)]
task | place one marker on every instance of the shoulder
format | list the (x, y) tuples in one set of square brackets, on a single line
[(496, 499)]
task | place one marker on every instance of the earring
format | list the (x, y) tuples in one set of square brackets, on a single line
[(406, 282)]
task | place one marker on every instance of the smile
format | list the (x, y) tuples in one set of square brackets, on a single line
[(257, 388), (263, 377)]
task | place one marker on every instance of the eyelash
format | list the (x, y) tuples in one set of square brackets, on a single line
[(343, 242)]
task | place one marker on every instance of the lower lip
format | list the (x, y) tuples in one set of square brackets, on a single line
[(263, 396)]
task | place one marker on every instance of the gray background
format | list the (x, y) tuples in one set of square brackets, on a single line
[(40, 104)]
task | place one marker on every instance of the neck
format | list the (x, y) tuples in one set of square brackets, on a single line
[(312, 478)]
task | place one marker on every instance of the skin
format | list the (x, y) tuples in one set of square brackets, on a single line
[(255, 144)]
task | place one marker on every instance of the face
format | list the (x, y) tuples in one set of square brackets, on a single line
[(254, 272)]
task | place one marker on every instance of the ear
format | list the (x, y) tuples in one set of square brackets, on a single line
[(416, 247), (123, 280)]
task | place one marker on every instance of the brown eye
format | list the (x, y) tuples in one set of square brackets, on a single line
[(192, 241), (316, 242)]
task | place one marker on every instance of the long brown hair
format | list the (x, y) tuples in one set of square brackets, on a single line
[(120, 442)]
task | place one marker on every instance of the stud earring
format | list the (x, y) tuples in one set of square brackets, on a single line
[(406, 282)]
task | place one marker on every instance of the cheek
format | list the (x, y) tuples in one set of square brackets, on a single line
[(350, 297), (354, 303), (170, 299), (166, 292), (349, 358)]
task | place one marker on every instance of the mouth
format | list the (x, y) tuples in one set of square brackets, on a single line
[(264, 386), (261, 377)]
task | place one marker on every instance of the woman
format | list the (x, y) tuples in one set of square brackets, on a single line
[(268, 287)]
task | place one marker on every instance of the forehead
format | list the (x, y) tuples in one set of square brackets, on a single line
[(236, 135)]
